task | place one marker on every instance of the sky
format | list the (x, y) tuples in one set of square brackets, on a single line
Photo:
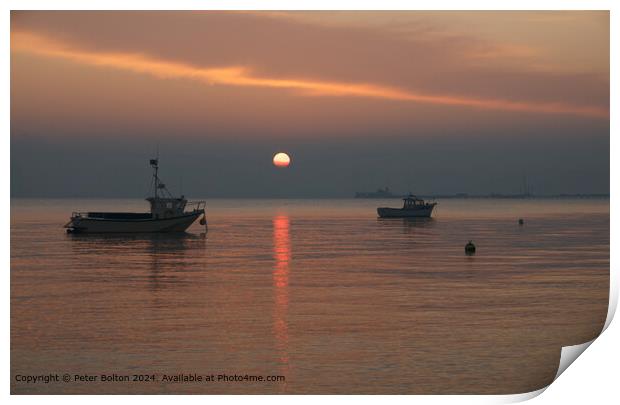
[(427, 102)]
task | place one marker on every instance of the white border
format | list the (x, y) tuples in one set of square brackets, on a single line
[(594, 379)]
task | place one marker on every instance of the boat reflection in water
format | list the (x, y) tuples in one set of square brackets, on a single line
[(165, 254), (281, 270)]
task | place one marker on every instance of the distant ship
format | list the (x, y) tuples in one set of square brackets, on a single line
[(413, 207), (380, 193), (168, 214)]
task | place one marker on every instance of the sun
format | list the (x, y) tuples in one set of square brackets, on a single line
[(281, 159)]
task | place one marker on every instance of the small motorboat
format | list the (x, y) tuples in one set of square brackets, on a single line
[(413, 207), (168, 214)]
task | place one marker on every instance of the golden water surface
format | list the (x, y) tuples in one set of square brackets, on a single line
[(320, 292)]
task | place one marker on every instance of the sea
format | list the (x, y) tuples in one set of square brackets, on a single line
[(307, 296)]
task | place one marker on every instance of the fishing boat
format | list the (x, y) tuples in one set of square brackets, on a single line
[(413, 207), (167, 214)]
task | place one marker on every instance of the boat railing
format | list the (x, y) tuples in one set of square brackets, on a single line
[(193, 206)]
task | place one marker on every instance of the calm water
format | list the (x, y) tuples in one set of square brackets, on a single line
[(318, 291)]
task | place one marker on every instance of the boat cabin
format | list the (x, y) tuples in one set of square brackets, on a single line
[(163, 204), (412, 202), (166, 207)]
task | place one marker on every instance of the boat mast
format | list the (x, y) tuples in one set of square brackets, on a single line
[(157, 184), (156, 179), (155, 165)]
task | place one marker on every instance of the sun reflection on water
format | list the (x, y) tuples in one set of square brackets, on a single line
[(281, 269)]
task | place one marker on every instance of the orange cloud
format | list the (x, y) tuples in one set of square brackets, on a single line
[(241, 76)]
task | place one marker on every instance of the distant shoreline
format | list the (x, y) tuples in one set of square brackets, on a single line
[(425, 196), (385, 194), (517, 196)]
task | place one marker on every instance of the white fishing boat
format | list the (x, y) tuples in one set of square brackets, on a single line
[(413, 207), (168, 214)]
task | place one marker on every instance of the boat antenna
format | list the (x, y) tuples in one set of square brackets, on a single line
[(155, 165), (157, 184)]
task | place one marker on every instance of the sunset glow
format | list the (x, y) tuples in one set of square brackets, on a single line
[(348, 271), (472, 101), (281, 159), (243, 76)]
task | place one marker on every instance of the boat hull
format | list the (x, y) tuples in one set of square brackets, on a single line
[(100, 225), (422, 212)]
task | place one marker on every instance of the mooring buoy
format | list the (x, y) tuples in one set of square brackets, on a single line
[(470, 248)]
